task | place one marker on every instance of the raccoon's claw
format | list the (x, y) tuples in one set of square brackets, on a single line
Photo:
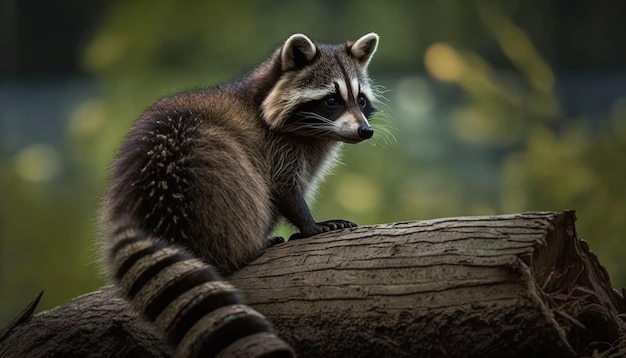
[(336, 224), (324, 226)]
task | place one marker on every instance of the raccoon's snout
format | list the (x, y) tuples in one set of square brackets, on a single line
[(365, 131)]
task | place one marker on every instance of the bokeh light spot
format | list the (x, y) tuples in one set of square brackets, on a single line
[(444, 62), (87, 119), (38, 163)]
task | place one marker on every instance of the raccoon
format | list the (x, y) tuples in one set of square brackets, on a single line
[(203, 176)]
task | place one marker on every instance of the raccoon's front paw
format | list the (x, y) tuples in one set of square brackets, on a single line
[(323, 226), (336, 225)]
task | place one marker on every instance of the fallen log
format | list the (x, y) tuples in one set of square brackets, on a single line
[(509, 285)]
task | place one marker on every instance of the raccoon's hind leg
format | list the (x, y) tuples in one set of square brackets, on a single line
[(274, 240)]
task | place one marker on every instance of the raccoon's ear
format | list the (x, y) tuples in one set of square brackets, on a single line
[(363, 48), (297, 52)]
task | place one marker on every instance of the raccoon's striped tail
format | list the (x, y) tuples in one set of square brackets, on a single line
[(200, 314)]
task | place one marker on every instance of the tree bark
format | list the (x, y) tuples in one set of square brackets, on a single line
[(511, 285)]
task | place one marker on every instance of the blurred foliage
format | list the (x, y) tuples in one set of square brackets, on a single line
[(466, 138)]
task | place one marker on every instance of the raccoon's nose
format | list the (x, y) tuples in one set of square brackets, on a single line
[(365, 131)]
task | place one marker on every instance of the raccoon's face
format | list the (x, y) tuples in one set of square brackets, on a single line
[(323, 90)]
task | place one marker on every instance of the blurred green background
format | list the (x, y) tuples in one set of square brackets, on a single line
[(491, 107)]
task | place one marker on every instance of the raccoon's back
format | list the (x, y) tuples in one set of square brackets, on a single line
[(186, 173), (185, 193)]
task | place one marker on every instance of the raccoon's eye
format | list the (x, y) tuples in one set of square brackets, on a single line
[(362, 100), (332, 101)]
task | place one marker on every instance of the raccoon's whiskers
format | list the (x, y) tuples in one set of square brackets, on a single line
[(313, 115)]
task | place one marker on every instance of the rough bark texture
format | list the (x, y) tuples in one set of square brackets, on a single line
[(98, 324), (512, 285)]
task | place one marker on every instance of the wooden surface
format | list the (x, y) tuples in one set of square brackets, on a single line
[(509, 285)]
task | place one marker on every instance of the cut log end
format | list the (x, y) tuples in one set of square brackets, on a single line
[(580, 297)]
